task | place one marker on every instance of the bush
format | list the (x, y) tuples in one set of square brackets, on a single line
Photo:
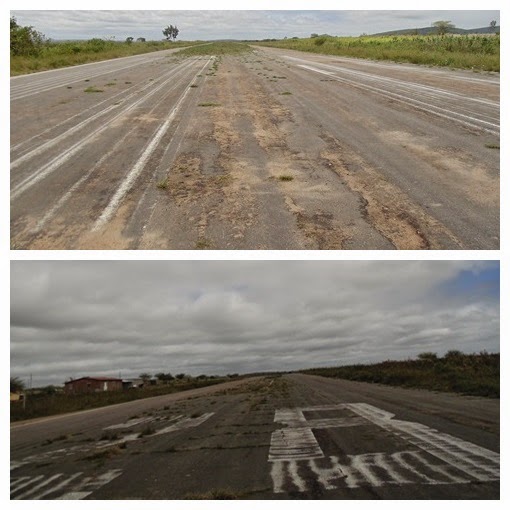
[(25, 41), (470, 374)]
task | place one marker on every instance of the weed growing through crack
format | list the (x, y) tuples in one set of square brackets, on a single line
[(147, 431), (209, 104), (492, 146), (203, 244), (93, 89), (286, 93), (163, 184), (286, 178)]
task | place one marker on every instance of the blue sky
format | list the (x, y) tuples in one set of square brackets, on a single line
[(76, 318), (239, 24), (474, 284)]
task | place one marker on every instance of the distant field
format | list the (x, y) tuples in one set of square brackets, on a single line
[(216, 48), (477, 52), (470, 374), (65, 54), (38, 405)]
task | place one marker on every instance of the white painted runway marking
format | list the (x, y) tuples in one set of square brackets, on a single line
[(177, 423), (298, 462), (456, 116), (130, 423), (185, 423), (39, 487)]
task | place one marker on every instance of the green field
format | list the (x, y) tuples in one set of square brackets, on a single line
[(476, 52), (216, 48), (54, 55), (469, 374)]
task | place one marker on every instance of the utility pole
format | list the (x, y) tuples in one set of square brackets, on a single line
[(25, 395)]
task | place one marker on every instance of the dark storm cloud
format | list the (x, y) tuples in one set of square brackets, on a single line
[(104, 317)]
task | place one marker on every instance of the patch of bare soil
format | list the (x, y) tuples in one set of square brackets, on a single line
[(271, 120), (454, 165), (385, 206)]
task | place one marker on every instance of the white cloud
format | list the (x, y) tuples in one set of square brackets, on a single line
[(77, 318), (237, 24)]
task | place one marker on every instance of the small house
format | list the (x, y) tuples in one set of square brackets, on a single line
[(92, 385)]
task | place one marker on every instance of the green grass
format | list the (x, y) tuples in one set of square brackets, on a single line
[(209, 104), (203, 244), (93, 89), (54, 55), (492, 146), (477, 52), (216, 48), (286, 178), (469, 374)]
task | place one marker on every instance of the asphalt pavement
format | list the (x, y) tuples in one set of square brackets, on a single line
[(290, 437)]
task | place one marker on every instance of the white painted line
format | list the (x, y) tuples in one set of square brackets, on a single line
[(69, 153), (131, 177), (292, 444), (130, 423), (487, 81), (475, 461), (278, 476), (74, 495), (77, 127), (17, 481), (400, 458), (69, 193), (296, 478), (28, 481), (471, 121), (445, 475), (184, 424), (327, 476), (33, 490), (57, 487), (441, 458)]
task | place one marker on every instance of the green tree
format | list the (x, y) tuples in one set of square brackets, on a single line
[(443, 27), (171, 32), (428, 356), (129, 40), (145, 377), (141, 39), (164, 377), (17, 385), (493, 24), (25, 41)]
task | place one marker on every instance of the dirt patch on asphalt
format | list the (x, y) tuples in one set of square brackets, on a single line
[(385, 206), (452, 163)]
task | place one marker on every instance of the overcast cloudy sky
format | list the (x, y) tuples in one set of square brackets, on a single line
[(77, 318), (239, 24)]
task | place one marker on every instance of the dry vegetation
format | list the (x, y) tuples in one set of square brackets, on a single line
[(469, 374)]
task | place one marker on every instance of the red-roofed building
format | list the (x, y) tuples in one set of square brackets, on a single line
[(92, 385)]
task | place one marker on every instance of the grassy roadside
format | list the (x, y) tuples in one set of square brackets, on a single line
[(476, 52), (67, 54), (41, 405), (216, 48), (468, 374)]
